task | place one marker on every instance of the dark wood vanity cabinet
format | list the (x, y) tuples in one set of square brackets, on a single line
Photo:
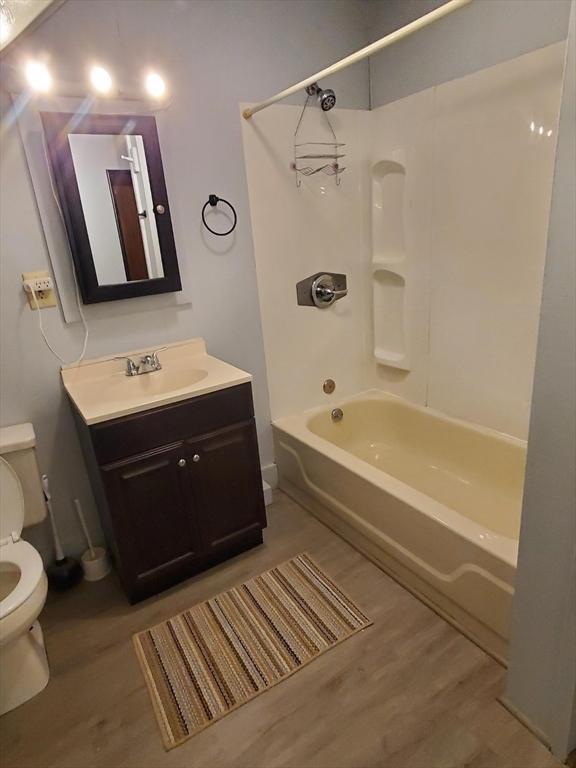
[(226, 485), (179, 487), (153, 518)]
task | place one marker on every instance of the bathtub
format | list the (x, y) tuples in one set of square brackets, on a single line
[(434, 501)]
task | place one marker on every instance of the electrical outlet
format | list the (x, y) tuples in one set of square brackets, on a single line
[(43, 288), (39, 284)]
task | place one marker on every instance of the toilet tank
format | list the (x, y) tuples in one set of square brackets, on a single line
[(18, 448)]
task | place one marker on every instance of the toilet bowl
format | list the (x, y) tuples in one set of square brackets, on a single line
[(23, 586)]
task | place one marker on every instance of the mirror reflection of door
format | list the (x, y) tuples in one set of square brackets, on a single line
[(128, 222), (112, 175)]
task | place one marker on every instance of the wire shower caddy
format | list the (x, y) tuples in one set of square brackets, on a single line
[(329, 153)]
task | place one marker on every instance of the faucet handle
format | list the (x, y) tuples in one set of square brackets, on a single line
[(132, 368), (151, 361), (157, 363)]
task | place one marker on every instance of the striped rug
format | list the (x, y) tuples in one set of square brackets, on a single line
[(218, 655)]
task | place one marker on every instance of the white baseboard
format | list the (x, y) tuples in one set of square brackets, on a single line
[(268, 496), (270, 474)]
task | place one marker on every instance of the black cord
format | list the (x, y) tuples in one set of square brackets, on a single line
[(213, 200)]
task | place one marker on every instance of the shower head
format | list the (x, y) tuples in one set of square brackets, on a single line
[(327, 99), (326, 96)]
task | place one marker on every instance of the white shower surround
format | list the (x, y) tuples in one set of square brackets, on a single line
[(468, 258), (477, 187)]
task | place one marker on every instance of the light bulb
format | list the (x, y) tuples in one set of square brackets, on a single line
[(100, 79), (541, 130), (532, 126), (549, 133), (155, 85), (38, 76)]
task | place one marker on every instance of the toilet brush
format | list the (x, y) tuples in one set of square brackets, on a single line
[(64, 572), (95, 560)]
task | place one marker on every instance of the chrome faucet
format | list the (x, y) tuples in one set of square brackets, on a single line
[(148, 363)]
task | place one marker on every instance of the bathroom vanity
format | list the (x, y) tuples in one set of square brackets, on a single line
[(173, 460)]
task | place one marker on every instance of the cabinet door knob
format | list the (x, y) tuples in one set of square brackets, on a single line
[(196, 458), (181, 462), (160, 209)]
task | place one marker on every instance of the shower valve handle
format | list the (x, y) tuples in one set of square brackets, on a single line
[(324, 291), (330, 292)]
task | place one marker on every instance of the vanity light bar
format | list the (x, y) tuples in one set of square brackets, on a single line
[(40, 80)]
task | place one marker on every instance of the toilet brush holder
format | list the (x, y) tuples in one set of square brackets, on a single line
[(95, 564), (95, 560)]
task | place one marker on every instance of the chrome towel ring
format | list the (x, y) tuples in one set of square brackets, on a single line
[(212, 201)]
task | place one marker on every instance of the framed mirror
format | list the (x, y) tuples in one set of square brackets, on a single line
[(110, 183)]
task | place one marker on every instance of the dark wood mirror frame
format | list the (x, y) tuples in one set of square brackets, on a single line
[(57, 126)]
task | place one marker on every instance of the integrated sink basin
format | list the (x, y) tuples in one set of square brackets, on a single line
[(100, 389), (119, 387)]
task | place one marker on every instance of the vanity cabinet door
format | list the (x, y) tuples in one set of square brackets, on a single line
[(153, 517), (227, 486)]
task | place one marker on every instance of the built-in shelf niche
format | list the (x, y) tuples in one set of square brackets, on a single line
[(390, 347), (388, 183), (390, 264)]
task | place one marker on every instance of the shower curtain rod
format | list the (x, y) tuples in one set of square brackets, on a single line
[(363, 53)]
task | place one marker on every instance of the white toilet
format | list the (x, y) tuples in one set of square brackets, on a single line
[(23, 585)]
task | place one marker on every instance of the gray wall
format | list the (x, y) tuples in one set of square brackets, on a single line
[(214, 55), (542, 676), (478, 35)]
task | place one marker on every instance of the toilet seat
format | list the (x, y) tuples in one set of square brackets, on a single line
[(12, 548), (31, 568)]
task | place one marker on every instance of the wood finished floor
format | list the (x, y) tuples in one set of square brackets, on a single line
[(409, 692)]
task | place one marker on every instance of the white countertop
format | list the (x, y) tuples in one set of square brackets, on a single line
[(101, 391)]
